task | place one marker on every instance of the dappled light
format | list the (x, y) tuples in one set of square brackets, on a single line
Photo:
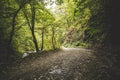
[(59, 40), (56, 63)]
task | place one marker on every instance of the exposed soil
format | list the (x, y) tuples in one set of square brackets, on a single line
[(65, 64)]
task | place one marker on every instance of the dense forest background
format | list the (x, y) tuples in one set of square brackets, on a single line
[(37, 25), (59, 40)]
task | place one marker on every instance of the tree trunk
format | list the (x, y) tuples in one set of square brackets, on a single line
[(13, 22), (13, 26), (53, 38), (33, 27), (42, 46), (68, 24), (10, 50)]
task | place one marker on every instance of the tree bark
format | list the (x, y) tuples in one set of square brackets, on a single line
[(42, 46), (53, 38), (33, 27), (13, 25), (10, 50)]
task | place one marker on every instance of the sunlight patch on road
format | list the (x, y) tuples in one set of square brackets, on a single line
[(69, 49)]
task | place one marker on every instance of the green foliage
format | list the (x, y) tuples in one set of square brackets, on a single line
[(73, 23), (6, 13), (97, 25), (89, 21), (44, 21)]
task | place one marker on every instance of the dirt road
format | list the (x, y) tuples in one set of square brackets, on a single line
[(66, 64)]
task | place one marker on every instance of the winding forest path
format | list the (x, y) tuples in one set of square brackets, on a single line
[(66, 64)]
